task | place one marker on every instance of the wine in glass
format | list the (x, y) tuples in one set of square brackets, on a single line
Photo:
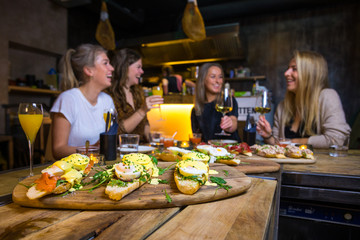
[(157, 90), (263, 103), (224, 104), (30, 117)]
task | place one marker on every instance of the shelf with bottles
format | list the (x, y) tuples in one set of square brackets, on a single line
[(250, 78)]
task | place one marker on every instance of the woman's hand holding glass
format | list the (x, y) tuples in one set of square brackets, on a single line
[(224, 105), (263, 127)]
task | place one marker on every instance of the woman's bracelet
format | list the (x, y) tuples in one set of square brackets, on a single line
[(266, 138)]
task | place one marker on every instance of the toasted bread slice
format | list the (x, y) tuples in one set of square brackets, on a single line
[(186, 186), (247, 154), (280, 156), (168, 156), (117, 193), (232, 162), (33, 193)]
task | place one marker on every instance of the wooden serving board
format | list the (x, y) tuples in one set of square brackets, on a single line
[(279, 160), (146, 197), (248, 165)]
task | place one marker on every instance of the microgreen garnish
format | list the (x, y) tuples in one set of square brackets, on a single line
[(162, 170), (168, 198), (220, 182), (226, 173), (154, 160), (27, 186), (163, 181)]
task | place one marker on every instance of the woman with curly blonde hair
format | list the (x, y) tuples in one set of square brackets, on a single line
[(311, 113)]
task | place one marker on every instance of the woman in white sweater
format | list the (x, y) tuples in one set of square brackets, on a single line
[(311, 113)]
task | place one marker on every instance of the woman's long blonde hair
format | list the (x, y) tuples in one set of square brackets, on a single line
[(200, 91), (73, 62), (312, 79)]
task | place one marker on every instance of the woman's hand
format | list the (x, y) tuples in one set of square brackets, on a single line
[(228, 123), (263, 127), (151, 101)]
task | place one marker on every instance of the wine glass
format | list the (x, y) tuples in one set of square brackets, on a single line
[(263, 103), (30, 117), (224, 104), (112, 117), (157, 90)]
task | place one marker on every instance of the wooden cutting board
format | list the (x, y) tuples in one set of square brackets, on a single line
[(279, 160), (146, 197), (248, 165)]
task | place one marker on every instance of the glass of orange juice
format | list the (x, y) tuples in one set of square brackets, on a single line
[(195, 138), (30, 117), (157, 90)]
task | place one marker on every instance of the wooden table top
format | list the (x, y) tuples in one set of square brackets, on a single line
[(349, 165), (242, 217)]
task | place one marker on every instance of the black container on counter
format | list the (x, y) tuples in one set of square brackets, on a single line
[(108, 146), (249, 131)]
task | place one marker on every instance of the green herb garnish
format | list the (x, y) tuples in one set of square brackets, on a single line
[(220, 182), (168, 198), (163, 181), (162, 170), (226, 173)]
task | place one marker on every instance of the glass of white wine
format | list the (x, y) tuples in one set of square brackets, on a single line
[(224, 104), (31, 118), (263, 103)]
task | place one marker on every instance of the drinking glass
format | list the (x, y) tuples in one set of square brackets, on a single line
[(195, 138), (157, 90), (30, 117), (224, 104), (263, 103)]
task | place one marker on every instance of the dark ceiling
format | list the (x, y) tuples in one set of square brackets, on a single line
[(139, 18)]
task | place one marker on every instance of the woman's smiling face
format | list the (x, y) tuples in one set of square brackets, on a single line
[(134, 73), (214, 80), (291, 76)]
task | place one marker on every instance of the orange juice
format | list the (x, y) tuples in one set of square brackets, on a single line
[(157, 91), (30, 123)]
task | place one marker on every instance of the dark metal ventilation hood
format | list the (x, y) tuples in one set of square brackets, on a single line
[(222, 43)]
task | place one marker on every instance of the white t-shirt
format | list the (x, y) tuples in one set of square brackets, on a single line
[(87, 121)]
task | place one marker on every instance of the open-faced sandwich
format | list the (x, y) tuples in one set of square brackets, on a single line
[(61, 176), (171, 154), (190, 175), (197, 156), (269, 151), (239, 148), (219, 155), (296, 152), (134, 170)]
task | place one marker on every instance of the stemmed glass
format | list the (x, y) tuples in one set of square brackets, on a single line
[(30, 117), (224, 104), (263, 103), (157, 90)]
